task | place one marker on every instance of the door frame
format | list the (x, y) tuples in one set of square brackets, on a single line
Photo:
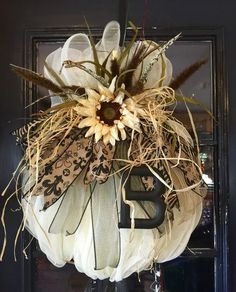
[(220, 140)]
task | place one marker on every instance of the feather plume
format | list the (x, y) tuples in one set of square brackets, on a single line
[(71, 64), (161, 50), (95, 55), (133, 64), (115, 67), (36, 78), (186, 73)]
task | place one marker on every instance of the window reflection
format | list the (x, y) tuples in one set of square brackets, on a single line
[(203, 236), (206, 157), (198, 86)]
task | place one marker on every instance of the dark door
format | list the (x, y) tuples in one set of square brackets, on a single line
[(205, 17)]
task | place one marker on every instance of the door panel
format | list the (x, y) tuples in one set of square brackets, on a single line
[(203, 248), (209, 247)]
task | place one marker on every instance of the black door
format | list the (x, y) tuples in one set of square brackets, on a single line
[(199, 20)]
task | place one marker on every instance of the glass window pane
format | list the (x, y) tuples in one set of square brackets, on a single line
[(182, 54), (203, 236), (188, 274), (46, 277), (44, 49), (180, 275)]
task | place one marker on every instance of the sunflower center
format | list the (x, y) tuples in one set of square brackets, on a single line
[(109, 112)]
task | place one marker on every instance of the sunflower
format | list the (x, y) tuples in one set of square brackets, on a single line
[(107, 114)]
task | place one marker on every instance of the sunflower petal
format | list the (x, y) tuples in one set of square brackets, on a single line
[(123, 134), (114, 133), (98, 127), (93, 96), (106, 138), (87, 122), (86, 112), (130, 123), (98, 135), (113, 84), (105, 130), (90, 132), (119, 98), (106, 94), (112, 141), (120, 125), (84, 102)]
